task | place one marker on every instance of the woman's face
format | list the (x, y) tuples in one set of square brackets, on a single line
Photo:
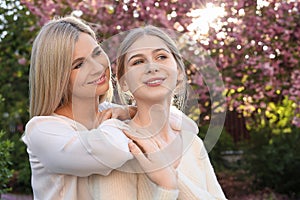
[(150, 69), (90, 73)]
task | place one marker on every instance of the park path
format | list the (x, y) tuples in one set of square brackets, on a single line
[(15, 197)]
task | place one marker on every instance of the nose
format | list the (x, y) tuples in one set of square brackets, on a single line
[(152, 68), (97, 66)]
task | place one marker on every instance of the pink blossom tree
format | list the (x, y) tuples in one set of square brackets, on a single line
[(256, 49)]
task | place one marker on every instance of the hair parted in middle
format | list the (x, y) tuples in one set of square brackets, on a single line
[(51, 64), (149, 30)]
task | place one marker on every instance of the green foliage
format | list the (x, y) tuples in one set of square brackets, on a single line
[(272, 153), (274, 159), (22, 173), (18, 28), (277, 117), (6, 147)]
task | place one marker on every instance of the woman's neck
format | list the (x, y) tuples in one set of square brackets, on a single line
[(154, 119), (81, 111)]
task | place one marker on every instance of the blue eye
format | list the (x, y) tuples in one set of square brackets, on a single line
[(162, 57), (137, 62)]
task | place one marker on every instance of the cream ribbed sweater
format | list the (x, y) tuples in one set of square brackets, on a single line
[(196, 179)]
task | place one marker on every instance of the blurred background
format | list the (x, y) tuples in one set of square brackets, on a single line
[(255, 45)]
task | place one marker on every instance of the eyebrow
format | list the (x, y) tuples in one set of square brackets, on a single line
[(154, 51), (94, 52)]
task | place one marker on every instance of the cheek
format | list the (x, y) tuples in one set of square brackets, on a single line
[(133, 78), (72, 79), (107, 73), (134, 74), (175, 71), (170, 68)]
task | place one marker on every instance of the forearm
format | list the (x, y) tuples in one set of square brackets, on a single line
[(122, 112), (61, 149)]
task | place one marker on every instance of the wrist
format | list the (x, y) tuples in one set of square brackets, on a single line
[(168, 179)]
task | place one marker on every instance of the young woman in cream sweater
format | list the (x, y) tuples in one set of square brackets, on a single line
[(150, 67)]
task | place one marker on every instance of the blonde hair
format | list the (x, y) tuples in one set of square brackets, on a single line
[(51, 64), (150, 30)]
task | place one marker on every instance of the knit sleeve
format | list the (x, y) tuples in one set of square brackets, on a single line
[(147, 190), (193, 189), (164, 194), (189, 190), (54, 144)]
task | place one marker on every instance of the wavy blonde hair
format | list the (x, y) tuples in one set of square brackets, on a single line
[(51, 64)]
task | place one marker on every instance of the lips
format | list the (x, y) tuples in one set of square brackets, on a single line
[(99, 81), (154, 82)]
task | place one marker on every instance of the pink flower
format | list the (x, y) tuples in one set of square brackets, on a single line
[(22, 61)]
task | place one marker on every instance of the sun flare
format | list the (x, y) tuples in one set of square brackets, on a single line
[(204, 18)]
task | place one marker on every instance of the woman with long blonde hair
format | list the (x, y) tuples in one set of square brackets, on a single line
[(67, 137)]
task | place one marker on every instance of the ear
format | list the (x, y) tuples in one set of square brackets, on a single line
[(123, 84), (180, 77)]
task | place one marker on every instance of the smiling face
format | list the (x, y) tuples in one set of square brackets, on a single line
[(150, 69), (90, 73)]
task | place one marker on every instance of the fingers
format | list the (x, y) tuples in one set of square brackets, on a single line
[(104, 115), (114, 115), (116, 112), (134, 149), (138, 154), (126, 132), (121, 113), (146, 145)]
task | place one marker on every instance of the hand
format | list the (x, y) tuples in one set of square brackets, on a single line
[(124, 112), (104, 115), (152, 165)]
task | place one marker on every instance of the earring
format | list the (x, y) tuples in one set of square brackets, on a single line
[(180, 94)]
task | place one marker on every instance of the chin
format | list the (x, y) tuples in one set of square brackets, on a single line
[(154, 96), (101, 90)]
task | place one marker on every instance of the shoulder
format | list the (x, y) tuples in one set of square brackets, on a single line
[(39, 125), (37, 120), (180, 121), (48, 124), (113, 123), (189, 132)]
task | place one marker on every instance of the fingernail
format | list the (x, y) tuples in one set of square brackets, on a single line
[(131, 144)]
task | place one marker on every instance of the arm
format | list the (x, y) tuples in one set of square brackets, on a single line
[(191, 188), (62, 149), (196, 177)]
